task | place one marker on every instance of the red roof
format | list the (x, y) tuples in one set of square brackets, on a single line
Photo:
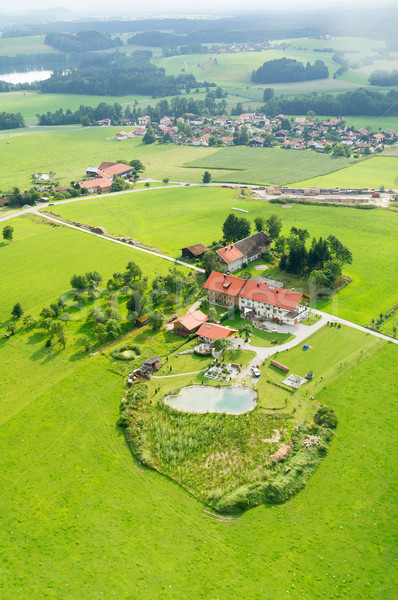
[(262, 292), (229, 254), (192, 320), (213, 331), (102, 183), (224, 284), (116, 169)]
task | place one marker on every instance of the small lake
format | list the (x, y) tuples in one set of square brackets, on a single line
[(207, 398), (25, 76)]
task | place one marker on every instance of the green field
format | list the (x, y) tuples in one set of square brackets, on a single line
[(56, 253), (373, 172), (266, 165), (33, 44), (180, 217)]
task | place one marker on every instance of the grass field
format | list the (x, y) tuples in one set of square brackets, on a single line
[(180, 217), (59, 251), (266, 165), (374, 172), (33, 44)]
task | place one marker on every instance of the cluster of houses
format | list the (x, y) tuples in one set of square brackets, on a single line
[(302, 133), (101, 177)]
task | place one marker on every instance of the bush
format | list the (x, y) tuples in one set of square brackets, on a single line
[(325, 416), (126, 352)]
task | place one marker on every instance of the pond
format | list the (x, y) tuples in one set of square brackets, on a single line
[(25, 76), (206, 398)]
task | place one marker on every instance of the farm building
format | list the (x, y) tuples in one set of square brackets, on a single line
[(194, 251), (257, 301), (237, 255), (149, 366), (189, 322), (209, 332)]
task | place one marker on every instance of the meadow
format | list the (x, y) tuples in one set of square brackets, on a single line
[(266, 165), (70, 485), (31, 44), (373, 172), (184, 216)]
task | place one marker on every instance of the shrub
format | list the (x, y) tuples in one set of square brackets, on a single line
[(326, 417), (126, 352)]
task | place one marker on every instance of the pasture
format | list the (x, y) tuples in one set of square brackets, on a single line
[(375, 171), (266, 165), (184, 216)]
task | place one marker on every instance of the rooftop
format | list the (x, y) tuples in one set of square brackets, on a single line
[(214, 331), (193, 319), (224, 284), (229, 253)]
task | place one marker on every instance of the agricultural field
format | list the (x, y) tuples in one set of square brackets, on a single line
[(266, 165), (33, 44), (172, 226), (373, 172)]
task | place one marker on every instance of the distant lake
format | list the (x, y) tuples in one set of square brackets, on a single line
[(25, 77)]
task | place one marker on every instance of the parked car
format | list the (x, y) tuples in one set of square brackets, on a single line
[(256, 372), (375, 195), (173, 318)]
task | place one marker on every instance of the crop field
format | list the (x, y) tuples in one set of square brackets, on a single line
[(373, 172), (266, 165), (32, 44), (184, 216)]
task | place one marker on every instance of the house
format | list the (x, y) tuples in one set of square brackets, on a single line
[(262, 301), (97, 186), (107, 169), (236, 255), (256, 300), (194, 251), (210, 332), (145, 120), (256, 142), (105, 122), (189, 322), (223, 289)]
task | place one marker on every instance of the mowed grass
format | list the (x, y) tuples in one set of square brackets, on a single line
[(32, 44), (37, 266), (374, 172), (173, 218), (266, 165)]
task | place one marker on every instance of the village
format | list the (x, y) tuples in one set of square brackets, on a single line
[(297, 133)]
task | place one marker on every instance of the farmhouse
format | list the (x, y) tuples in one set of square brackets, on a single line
[(256, 301), (237, 255), (224, 289), (209, 332), (189, 322), (97, 185), (194, 251)]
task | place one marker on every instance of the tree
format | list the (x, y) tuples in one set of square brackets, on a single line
[(79, 282), (156, 319), (268, 94), (85, 341), (326, 416), (260, 223), (58, 330), (149, 136), (134, 270), (229, 228), (206, 177), (8, 233), (119, 184), (171, 300), (221, 345), (17, 310), (212, 314), (246, 331), (243, 228), (100, 332), (166, 180), (137, 165), (274, 226), (11, 328), (209, 262)]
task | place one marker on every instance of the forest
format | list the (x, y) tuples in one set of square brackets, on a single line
[(283, 70), (83, 41)]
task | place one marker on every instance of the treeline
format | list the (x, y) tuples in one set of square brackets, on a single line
[(289, 70), (381, 77), (25, 62), (11, 120), (194, 48), (83, 41), (84, 115), (126, 76), (359, 102)]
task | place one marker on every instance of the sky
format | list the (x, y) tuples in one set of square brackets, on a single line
[(182, 7)]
